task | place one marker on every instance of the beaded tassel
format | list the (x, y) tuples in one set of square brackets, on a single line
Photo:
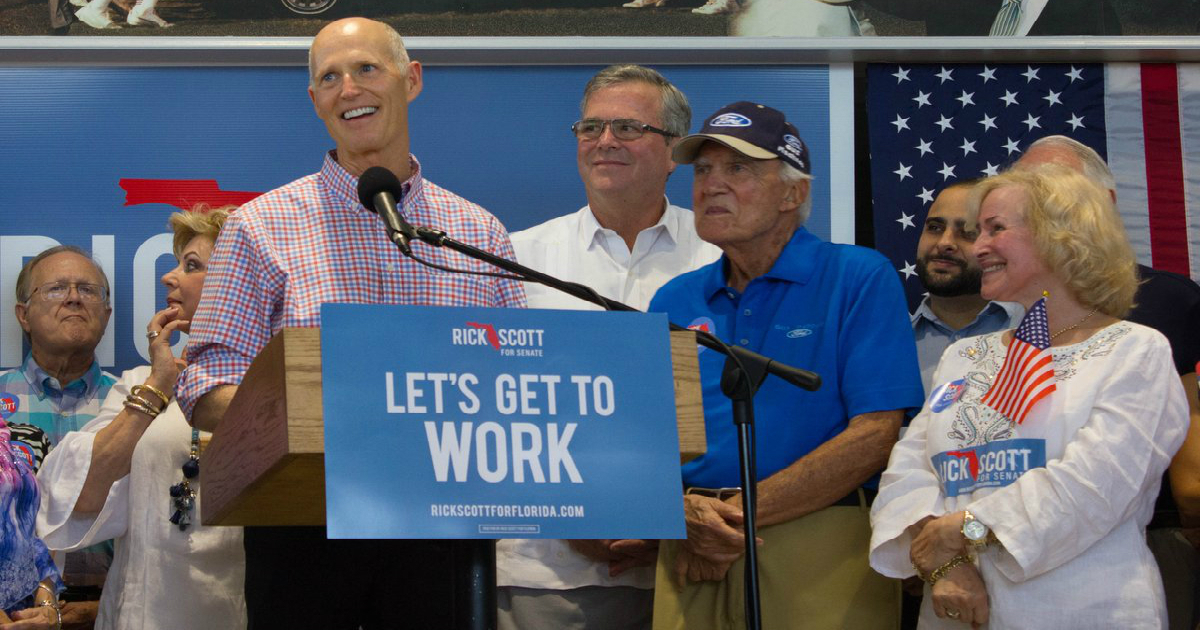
[(182, 495)]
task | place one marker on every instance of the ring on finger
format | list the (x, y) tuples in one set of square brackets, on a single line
[(953, 614), (151, 334)]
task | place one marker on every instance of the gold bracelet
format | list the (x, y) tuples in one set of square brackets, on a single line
[(144, 402), (137, 390), (941, 571), (137, 406)]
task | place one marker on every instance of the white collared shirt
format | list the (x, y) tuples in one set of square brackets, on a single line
[(575, 247)]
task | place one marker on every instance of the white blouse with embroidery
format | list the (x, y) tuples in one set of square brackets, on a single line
[(1068, 492)]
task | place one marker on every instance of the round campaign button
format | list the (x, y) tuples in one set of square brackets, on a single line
[(25, 452), (705, 324), (8, 405), (947, 395)]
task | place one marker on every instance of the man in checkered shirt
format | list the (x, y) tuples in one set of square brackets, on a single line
[(277, 260)]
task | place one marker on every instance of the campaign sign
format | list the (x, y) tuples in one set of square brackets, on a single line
[(992, 465), (448, 422)]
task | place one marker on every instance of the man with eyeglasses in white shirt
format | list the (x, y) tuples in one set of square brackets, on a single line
[(626, 243), (63, 307)]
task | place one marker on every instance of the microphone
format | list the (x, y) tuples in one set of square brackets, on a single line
[(379, 190)]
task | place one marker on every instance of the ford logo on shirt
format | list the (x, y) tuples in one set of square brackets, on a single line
[(730, 120), (797, 333)]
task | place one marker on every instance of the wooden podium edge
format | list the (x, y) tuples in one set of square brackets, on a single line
[(257, 469), (689, 400)]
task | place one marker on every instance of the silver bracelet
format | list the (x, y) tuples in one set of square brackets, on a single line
[(57, 611), (42, 586)]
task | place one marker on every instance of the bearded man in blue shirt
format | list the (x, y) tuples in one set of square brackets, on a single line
[(835, 309)]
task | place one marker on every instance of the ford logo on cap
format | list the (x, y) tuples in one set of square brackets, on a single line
[(729, 120), (793, 142)]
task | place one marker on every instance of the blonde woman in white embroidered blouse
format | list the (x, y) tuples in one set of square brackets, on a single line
[(122, 477), (1040, 523)]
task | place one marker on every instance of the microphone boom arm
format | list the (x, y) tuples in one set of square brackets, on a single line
[(803, 379)]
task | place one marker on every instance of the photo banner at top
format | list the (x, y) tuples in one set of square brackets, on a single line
[(613, 18)]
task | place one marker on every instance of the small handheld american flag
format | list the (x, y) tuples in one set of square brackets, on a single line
[(1027, 375)]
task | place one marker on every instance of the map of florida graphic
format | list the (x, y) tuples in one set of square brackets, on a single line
[(182, 193)]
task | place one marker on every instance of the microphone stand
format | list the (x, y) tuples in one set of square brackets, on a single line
[(741, 377)]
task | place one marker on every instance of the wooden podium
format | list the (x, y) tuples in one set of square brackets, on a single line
[(265, 464)]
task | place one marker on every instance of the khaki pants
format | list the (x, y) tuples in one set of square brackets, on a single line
[(813, 574)]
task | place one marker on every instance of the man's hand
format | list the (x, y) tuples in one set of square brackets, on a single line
[(961, 596), (714, 539), (713, 529), (594, 550), (938, 542), (690, 567), (630, 554), (80, 615), (620, 555)]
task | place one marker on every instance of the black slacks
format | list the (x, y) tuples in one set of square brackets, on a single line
[(296, 578)]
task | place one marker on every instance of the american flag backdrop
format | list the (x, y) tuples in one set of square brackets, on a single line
[(1027, 375), (933, 124)]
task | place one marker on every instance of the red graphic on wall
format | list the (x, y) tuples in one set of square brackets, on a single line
[(182, 193)]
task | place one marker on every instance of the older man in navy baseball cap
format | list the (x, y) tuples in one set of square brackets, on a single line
[(835, 309), (754, 130)]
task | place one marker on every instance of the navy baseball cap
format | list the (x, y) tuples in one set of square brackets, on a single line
[(754, 130)]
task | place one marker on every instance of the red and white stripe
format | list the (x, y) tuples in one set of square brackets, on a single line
[(1152, 115)]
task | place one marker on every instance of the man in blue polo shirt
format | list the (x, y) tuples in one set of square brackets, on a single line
[(835, 309)]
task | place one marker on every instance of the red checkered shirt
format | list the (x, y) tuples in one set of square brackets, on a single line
[(282, 255)]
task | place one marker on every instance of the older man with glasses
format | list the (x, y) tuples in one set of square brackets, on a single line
[(626, 243), (63, 307)]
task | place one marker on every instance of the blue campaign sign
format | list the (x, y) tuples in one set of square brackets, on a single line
[(498, 423)]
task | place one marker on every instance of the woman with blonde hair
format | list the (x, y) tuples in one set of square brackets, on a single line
[(132, 475), (1022, 490)]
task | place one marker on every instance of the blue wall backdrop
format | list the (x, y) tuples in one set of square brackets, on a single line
[(499, 136)]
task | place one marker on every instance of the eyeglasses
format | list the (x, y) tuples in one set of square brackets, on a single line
[(58, 292), (622, 128)]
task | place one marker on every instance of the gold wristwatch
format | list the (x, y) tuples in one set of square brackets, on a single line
[(977, 534)]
